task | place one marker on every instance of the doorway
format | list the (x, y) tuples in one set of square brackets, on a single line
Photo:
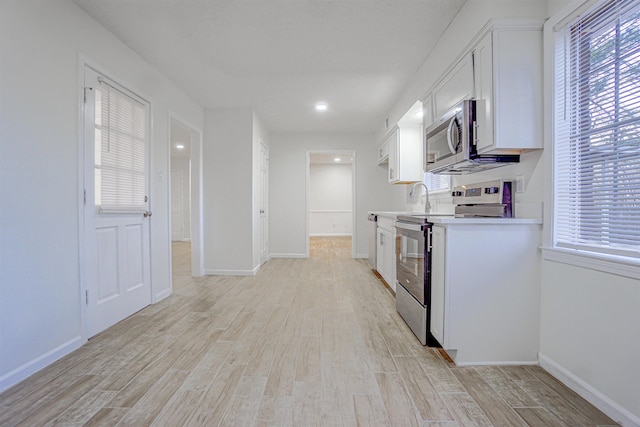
[(115, 229), (331, 196), (185, 202)]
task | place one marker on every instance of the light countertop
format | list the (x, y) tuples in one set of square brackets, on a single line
[(450, 219)]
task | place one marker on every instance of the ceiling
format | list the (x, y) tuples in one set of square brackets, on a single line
[(280, 57), (329, 158)]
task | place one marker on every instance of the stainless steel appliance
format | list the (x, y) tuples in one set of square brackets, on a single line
[(493, 199), (413, 249), (413, 274), (451, 142), (373, 230)]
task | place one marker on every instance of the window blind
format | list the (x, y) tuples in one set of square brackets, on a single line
[(597, 130), (120, 151), (437, 182)]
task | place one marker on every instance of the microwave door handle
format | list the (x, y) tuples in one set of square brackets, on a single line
[(452, 123)]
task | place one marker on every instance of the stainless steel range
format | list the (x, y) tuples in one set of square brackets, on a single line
[(492, 199), (413, 274)]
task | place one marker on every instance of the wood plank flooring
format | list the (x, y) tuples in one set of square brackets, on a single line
[(304, 342)]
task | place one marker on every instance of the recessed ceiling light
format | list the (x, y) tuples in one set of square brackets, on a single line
[(337, 159), (180, 146), (321, 106)]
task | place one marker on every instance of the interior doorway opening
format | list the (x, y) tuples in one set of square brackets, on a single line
[(185, 202), (331, 197)]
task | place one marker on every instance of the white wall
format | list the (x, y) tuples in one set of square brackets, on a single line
[(589, 318), (330, 199), (40, 188), (228, 191), (287, 188)]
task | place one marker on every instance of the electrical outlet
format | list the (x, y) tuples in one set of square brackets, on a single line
[(520, 184)]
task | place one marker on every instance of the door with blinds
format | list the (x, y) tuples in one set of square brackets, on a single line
[(116, 262)]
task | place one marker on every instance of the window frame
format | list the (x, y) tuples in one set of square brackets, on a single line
[(606, 262)]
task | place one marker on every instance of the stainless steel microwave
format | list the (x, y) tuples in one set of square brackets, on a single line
[(451, 142)]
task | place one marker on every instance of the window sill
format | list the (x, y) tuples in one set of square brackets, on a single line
[(618, 265)]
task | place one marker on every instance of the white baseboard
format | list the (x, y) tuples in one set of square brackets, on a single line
[(287, 256), (362, 256), (589, 393), (14, 377), (330, 234), (231, 272), (162, 295)]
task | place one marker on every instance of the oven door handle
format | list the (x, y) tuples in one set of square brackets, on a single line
[(409, 226)]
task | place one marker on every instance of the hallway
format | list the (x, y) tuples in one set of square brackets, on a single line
[(304, 342)]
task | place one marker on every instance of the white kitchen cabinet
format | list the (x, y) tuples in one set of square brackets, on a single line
[(485, 301), (427, 111), (454, 87), (438, 253), (405, 154), (383, 152), (508, 83), (386, 251)]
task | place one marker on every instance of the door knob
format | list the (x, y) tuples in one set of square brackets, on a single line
[(147, 214)]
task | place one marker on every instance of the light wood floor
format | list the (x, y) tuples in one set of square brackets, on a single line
[(305, 342)]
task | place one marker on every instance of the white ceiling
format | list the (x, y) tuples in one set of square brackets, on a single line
[(280, 57), (330, 158)]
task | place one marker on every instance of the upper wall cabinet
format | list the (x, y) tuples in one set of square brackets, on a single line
[(454, 87), (383, 152), (507, 74), (405, 154)]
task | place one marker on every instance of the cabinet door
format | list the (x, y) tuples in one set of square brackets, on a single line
[(456, 86), (394, 158), (380, 251), (383, 152), (390, 258), (427, 111), (438, 283), (483, 78)]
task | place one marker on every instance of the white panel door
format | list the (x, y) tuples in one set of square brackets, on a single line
[(116, 259), (264, 201), (177, 205)]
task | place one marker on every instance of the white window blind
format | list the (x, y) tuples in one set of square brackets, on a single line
[(120, 151), (437, 182), (597, 130)]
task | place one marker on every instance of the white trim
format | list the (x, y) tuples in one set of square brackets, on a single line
[(588, 392), (15, 376), (347, 151), (330, 235), (330, 211), (296, 256), (621, 266), (196, 179), (162, 295), (217, 272), (500, 363)]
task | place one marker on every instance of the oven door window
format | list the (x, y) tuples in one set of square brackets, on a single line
[(410, 262)]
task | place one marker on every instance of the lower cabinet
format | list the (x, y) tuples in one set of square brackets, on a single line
[(438, 253), (386, 251), (485, 292)]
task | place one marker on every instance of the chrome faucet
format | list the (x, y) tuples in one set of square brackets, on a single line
[(427, 205)]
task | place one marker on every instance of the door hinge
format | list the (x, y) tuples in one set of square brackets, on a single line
[(86, 297), (85, 196)]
